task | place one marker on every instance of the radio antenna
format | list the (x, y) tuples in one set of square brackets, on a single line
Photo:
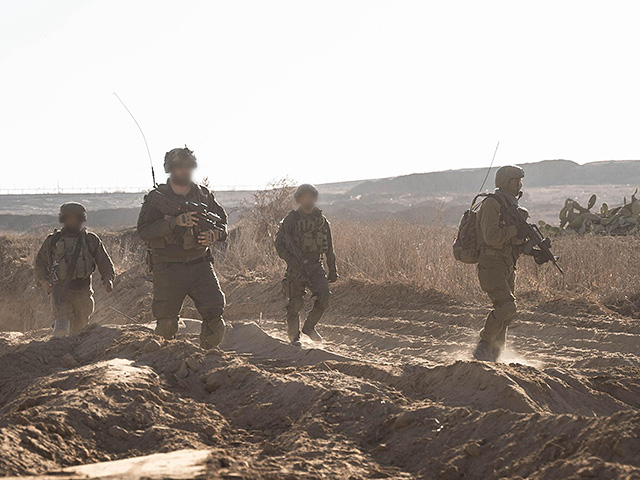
[(489, 170), (153, 173)]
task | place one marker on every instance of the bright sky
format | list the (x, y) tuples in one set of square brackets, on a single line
[(318, 91)]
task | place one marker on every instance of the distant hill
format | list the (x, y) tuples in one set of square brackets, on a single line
[(540, 174), (419, 198)]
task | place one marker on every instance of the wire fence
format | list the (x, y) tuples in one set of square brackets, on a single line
[(112, 190)]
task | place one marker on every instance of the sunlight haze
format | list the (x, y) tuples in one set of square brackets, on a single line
[(317, 91)]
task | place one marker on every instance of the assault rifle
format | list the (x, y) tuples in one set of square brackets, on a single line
[(536, 241), (291, 245), (54, 280), (207, 220)]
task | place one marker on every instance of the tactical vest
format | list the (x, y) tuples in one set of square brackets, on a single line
[(311, 235), (62, 252), (181, 236)]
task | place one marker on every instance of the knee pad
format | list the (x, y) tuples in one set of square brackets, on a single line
[(506, 311), (167, 327)]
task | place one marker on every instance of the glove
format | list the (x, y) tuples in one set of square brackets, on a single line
[(207, 238), (539, 257), (523, 231), (333, 277), (187, 219)]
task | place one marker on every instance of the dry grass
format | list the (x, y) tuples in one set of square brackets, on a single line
[(598, 268), (600, 271)]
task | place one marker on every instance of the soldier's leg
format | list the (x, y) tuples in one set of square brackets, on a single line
[(495, 282), (319, 286), (294, 290), (62, 316), (169, 292), (210, 301), (501, 338), (83, 305)]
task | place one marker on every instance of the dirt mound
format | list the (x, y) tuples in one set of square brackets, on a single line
[(265, 409)]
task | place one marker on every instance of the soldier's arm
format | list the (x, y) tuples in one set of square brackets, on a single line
[(103, 260), (331, 256), (41, 270), (281, 244), (493, 233), (151, 222)]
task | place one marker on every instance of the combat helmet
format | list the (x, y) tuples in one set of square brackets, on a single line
[(72, 208), (305, 188), (178, 156), (506, 173)]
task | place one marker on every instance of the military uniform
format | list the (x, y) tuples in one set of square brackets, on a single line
[(73, 310), (500, 248), (181, 266), (311, 236)]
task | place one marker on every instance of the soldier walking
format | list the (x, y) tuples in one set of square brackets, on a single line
[(64, 266), (502, 241), (180, 256), (303, 239)]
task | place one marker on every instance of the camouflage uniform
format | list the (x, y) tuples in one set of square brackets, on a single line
[(73, 312), (311, 234), (182, 267), (500, 249)]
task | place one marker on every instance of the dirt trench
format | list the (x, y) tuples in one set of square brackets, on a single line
[(392, 393)]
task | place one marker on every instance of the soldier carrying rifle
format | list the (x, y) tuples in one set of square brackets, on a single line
[(180, 221), (503, 236), (303, 239)]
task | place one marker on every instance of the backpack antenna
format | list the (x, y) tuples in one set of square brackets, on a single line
[(488, 171), (153, 173)]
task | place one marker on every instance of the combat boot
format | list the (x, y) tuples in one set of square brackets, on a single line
[(212, 333), (295, 341), (62, 327), (167, 328), (311, 332), (483, 352)]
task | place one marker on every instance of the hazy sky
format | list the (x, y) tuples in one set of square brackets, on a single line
[(318, 91)]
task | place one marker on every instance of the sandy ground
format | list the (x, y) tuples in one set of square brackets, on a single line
[(391, 393)]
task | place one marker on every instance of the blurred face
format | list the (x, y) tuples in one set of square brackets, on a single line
[(181, 174), (72, 223), (307, 201), (515, 185)]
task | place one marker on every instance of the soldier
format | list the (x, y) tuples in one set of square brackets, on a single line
[(180, 256), (502, 241), (64, 266), (302, 240)]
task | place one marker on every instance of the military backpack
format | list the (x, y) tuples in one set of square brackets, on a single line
[(466, 246)]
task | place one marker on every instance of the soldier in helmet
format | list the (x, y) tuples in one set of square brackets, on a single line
[(303, 239), (64, 266), (502, 242), (180, 256)]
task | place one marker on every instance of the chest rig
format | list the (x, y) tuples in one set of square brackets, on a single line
[(62, 249), (311, 235), (180, 236)]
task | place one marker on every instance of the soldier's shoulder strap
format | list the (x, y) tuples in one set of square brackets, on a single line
[(54, 238)]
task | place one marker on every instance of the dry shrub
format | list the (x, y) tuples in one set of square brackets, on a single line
[(267, 208), (250, 252)]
